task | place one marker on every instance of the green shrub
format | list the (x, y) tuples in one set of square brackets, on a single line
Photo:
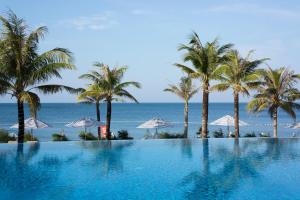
[(87, 136), (250, 135), (124, 135), (5, 137), (29, 137), (166, 135), (231, 135), (218, 134), (59, 137)]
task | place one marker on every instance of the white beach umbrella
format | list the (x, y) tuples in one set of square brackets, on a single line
[(155, 123), (295, 126), (32, 123), (85, 122), (228, 121)]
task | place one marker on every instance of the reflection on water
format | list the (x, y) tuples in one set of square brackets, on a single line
[(178, 169), (107, 155), (23, 174), (244, 160)]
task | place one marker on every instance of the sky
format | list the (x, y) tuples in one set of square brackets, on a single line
[(145, 35)]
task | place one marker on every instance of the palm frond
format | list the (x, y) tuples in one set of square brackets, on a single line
[(175, 90), (184, 68), (257, 105), (277, 90), (51, 89), (288, 107), (220, 87), (184, 89), (33, 39), (127, 84), (49, 71), (33, 101), (90, 77), (56, 55), (126, 94), (106, 83)]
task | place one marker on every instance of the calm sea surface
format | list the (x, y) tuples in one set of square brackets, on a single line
[(128, 116)]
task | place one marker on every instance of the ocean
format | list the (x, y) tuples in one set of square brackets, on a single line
[(127, 116)]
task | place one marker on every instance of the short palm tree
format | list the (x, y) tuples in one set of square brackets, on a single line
[(23, 69), (240, 75), (113, 89), (185, 90), (93, 94), (205, 59), (277, 91)]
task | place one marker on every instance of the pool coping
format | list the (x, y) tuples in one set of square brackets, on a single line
[(167, 139)]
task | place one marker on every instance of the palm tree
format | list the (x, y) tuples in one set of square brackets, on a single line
[(185, 90), (277, 91), (110, 81), (93, 95), (240, 75), (205, 59), (23, 69)]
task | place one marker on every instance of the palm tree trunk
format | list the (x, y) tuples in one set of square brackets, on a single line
[(21, 130), (205, 164), (205, 110), (20, 149), (275, 119), (108, 119), (236, 115), (205, 146), (237, 158), (98, 111), (186, 119), (98, 118)]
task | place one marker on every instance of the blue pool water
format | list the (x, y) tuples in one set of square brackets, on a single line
[(128, 116), (152, 169)]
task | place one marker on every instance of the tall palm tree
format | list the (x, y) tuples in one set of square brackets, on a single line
[(23, 69), (205, 59), (93, 94), (277, 91), (185, 90), (240, 75), (110, 80)]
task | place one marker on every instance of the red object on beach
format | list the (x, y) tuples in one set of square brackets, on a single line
[(103, 132)]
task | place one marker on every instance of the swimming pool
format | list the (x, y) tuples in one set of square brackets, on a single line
[(152, 169)]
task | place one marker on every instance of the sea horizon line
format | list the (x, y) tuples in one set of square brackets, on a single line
[(148, 102)]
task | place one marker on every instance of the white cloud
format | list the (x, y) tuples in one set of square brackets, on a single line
[(95, 22), (256, 9)]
